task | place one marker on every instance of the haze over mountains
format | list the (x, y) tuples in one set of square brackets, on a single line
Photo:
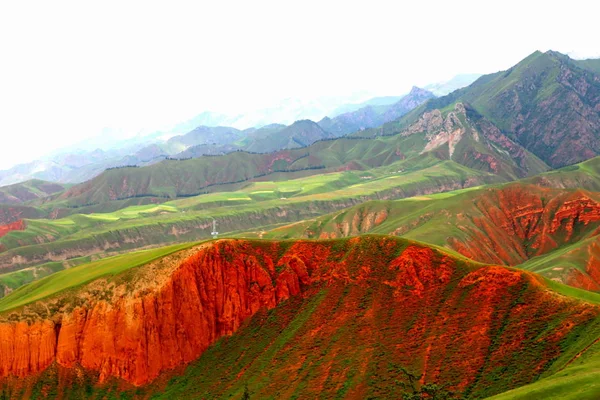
[(74, 166), (431, 245)]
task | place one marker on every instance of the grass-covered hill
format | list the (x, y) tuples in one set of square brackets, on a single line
[(372, 316), (548, 103), (459, 134), (550, 231), (20, 193), (257, 206), (585, 175)]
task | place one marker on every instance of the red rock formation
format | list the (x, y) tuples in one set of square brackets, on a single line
[(522, 221), (147, 330), (207, 297), (14, 226)]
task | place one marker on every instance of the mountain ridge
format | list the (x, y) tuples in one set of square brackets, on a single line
[(281, 276)]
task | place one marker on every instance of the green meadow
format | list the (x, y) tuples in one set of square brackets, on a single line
[(77, 276)]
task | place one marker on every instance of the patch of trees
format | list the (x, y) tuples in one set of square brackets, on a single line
[(181, 159), (122, 166), (414, 390)]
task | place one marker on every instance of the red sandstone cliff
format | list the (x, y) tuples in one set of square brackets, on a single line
[(172, 311), (518, 222), (138, 337)]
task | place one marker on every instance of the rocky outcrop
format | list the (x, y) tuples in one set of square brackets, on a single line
[(519, 222), (470, 139), (137, 337), (547, 103), (172, 310)]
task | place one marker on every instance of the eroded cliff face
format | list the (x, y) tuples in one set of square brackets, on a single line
[(471, 140), (518, 222), (168, 313), (137, 336), (508, 225)]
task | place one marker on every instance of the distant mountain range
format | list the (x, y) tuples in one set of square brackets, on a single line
[(508, 123), (547, 104), (438, 89), (371, 116), (82, 161), (75, 167)]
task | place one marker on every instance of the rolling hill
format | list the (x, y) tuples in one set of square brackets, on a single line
[(371, 316), (30, 190), (257, 205)]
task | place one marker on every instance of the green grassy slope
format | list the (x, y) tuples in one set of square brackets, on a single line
[(76, 276), (208, 174), (259, 204), (30, 190), (580, 380), (584, 175), (547, 102)]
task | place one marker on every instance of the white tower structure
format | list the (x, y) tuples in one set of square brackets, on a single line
[(214, 233)]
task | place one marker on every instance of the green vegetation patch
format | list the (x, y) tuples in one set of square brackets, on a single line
[(77, 276)]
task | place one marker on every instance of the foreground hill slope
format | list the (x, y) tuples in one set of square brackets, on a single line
[(369, 316)]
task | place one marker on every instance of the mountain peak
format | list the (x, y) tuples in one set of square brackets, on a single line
[(419, 92)]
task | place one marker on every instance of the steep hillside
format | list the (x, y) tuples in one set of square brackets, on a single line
[(364, 317), (23, 192), (462, 135), (548, 103), (553, 232)]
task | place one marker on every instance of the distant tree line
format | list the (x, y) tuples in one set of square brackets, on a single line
[(181, 159), (122, 166)]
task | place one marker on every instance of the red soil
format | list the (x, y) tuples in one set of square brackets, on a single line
[(14, 226), (518, 222), (425, 306)]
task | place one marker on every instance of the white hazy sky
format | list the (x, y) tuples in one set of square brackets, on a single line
[(69, 69)]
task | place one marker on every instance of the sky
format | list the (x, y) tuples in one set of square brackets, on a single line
[(70, 70)]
